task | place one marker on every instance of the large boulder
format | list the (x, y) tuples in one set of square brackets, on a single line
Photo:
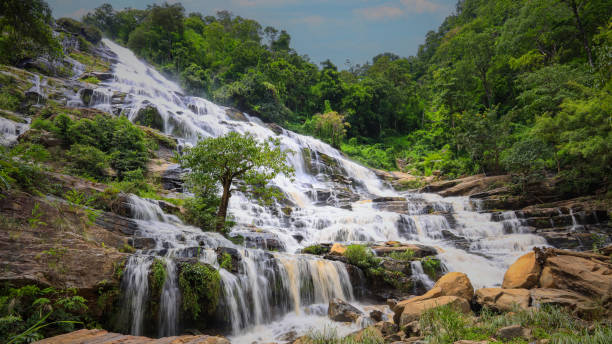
[(524, 273), (588, 277), (503, 300), (577, 303), (413, 310), (340, 310), (455, 284)]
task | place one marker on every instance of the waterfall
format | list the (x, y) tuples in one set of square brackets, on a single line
[(136, 287), (170, 302), (329, 200), (10, 131), (419, 274)]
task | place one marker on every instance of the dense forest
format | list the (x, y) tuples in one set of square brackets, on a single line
[(502, 86)]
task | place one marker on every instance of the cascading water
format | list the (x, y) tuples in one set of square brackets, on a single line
[(329, 200)]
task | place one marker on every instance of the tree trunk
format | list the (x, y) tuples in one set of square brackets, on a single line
[(222, 213), (585, 41)]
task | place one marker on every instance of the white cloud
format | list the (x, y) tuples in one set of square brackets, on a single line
[(311, 20), (380, 12), (421, 6)]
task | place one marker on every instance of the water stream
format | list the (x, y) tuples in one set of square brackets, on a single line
[(329, 201)]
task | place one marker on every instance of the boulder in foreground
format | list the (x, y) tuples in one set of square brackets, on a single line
[(524, 273), (104, 337), (340, 310)]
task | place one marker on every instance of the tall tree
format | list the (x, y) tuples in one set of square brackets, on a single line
[(218, 163)]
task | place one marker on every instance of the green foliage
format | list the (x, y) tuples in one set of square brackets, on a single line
[(315, 249), (30, 313), (405, 256), (226, 262), (361, 256), (157, 278), (431, 266), (87, 160), (91, 80), (217, 163), (200, 286), (26, 31)]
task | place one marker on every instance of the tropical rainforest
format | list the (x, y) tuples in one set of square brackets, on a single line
[(502, 86), (162, 174)]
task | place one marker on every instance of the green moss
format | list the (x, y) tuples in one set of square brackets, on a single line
[(200, 286), (92, 63), (11, 116), (157, 278), (226, 262), (431, 266), (91, 80), (315, 249)]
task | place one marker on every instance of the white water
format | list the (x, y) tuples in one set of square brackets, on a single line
[(276, 292)]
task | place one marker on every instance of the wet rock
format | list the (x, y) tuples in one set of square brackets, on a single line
[(115, 223), (513, 331), (150, 117), (376, 315), (143, 243), (288, 337), (235, 114), (104, 337), (235, 258), (503, 300), (86, 94), (524, 273), (173, 178), (342, 311)]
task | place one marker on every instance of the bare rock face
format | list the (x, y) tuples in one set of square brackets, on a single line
[(104, 337), (584, 276), (524, 273), (564, 298), (340, 310), (503, 300), (413, 311)]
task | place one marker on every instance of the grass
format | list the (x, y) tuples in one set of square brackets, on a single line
[(329, 335), (444, 325), (404, 256)]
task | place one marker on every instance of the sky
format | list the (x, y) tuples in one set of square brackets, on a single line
[(341, 30)]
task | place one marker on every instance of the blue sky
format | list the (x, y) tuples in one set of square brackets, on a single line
[(337, 29)]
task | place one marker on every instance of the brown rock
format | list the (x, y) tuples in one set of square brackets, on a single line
[(451, 284), (104, 337), (339, 310), (524, 273), (503, 300), (513, 331), (386, 327), (575, 302), (588, 277), (337, 249), (456, 284), (413, 311)]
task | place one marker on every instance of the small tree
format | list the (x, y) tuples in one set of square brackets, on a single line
[(218, 163)]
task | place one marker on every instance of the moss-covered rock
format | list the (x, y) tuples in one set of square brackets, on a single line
[(150, 117), (200, 286)]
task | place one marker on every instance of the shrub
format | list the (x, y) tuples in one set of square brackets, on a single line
[(431, 266), (29, 313), (200, 286), (406, 255), (315, 249), (361, 256), (201, 211), (87, 160)]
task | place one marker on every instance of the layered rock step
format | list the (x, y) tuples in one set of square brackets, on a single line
[(105, 337)]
